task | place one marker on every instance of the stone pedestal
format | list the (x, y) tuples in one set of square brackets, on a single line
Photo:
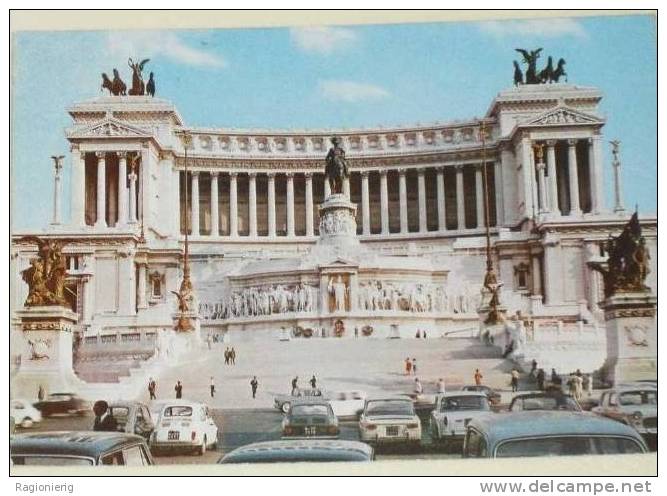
[(46, 355), (632, 352), (337, 221), (182, 342)]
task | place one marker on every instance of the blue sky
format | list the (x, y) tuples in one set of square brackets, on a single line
[(330, 77)]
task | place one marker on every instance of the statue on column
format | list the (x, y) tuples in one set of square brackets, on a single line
[(46, 275), (336, 169)]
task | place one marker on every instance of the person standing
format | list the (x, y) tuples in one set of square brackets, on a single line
[(212, 385), (478, 377), (356, 332), (295, 386), (418, 335), (179, 390), (253, 386), (408, 366), (232, 355), (41, 393), (414, 366), (152, 385), (540, 379), (424, 334), (515, 380), (313, 382), (419, 389), (578, 386), (226, 356), (104, 420), (441, 386)]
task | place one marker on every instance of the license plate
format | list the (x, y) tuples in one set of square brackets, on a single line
[(311, 431), (392, 430), (173, 435)]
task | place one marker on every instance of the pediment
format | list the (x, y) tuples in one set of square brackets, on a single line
[(339, 263), (108, 128), (562, 115)]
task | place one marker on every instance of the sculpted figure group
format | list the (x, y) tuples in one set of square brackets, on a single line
[(46, 275), (117, 86), (532, 75), (414, 297)]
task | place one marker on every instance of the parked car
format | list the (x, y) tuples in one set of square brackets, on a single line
[(634, 406), (155, 408), (548, 400), (79, 448), (310, 419), (492, 394), (283, 402), (184, 425), (304, 450), (25, 415), (133, 417), (424, 403), (62, 403), (548, 433), (390, 420), (347, 404), (454, 411)]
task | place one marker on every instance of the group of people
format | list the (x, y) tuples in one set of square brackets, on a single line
[(410, 366), (420, 334), (295, 384), (230, 356)]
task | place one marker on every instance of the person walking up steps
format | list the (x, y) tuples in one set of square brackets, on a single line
[(151, 388), (232, 355), (313, 382), (408, 366), (414, 366), (212, 387), (515, 380), (478, 377), (179, 390), (253, 386)]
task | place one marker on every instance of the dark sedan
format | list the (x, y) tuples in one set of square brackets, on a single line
[(62, 403), (313, 419), (79, 448), (549, 401)]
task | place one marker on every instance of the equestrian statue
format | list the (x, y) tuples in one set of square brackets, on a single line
[(336, 169), (532, 76)]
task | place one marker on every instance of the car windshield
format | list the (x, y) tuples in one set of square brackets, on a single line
[(51, 460), (120, 413), (566, 446), (390, 407), (555, 402), (638, 398), (458, 403), (177, 411), (303, 410)]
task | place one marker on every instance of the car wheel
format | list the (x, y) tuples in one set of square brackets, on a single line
[(285, 407), (26, 423)]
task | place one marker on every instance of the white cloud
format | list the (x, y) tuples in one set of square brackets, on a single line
[(543, 28), (147, 44), (351, 91), (322, 39)]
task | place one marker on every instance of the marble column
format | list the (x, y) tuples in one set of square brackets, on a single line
[(460, 199), (403, 200), (290, 203), (527, 172), (141, 286), (309, 204), (537, 275), (122, 188), (440, 185), (553, 177), (479, 196), (618, 186), (271, 203), (365, 204), (544, 204), (421, 189), (498, 190), (233, 205), (596, 174), (133, 193), (346, 187), (101, 189), (215, 205), (57, 187), (78, 206), (384, 203), (327, 188), (252, 203), (195, 203), (573, 173)]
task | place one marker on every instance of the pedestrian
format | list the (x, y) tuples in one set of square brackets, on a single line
[(414, 366), (212, 387), (40, 393), (356, 332), (554, 377), (540, 379), (515, 380), (226, 356), (478, 377), (295, 386), (179, 390), (313, 382), (572, 385), (533, 368), (232, 355), (253, 386), (408, 366), (424, 334), (418, 387), (418, 335), (104, 420), (152, 385), (441, 386), (578, 386)]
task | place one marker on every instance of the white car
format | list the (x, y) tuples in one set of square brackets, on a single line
[(635, 406), (184, 425), (390, 421), (25, 415), (347, 404), (453, 411)]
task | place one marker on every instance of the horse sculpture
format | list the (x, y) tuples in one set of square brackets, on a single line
[(546, 75), (518, 75), (559, 72), (336, 169), (150, 86), (118, 87), (138, 86), (530, 58)]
